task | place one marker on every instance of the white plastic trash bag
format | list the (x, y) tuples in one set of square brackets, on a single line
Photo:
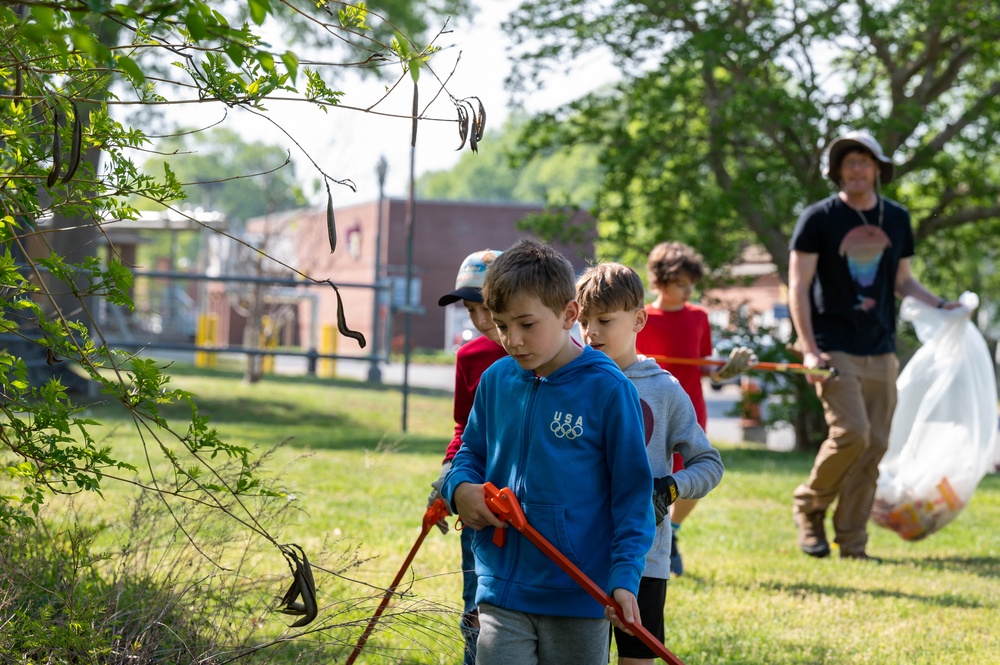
[(944, 431)]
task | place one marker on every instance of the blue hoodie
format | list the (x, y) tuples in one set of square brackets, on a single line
[(571, 447)]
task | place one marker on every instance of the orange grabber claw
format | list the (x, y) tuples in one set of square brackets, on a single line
[(436, 512), (504, 505)]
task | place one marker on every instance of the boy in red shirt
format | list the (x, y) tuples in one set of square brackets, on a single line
[(677, 329), (472, 359)]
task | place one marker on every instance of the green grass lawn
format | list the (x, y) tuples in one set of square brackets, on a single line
[(748, 596)]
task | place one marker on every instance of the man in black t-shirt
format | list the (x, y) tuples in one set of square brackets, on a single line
[(850, 259)]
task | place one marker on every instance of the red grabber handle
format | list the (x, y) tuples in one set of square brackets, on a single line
[(436, 511), (504, 505)]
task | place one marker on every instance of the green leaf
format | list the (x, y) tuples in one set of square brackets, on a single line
[(126, 11), (236, 53), (266, 60), (195, 23), (291, 64), (259, 9), (131, 69)]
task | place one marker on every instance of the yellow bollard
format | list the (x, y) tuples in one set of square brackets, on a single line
[(199, 340), (267, 342), (212, 334), (206, 334), (328, 345)]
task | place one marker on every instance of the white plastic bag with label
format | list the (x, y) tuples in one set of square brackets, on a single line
[(944, 431)]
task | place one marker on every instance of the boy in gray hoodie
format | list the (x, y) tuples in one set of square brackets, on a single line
[(611, 298)]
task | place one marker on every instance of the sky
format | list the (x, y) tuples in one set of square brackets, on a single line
[(348, 144)]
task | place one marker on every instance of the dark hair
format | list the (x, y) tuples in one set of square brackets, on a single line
[(668, 261), (610, 287), (529, 268)]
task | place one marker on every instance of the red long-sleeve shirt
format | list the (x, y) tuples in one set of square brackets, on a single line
[(684, 333), (472, 360)]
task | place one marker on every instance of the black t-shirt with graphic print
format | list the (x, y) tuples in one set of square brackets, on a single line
[(853, 293)]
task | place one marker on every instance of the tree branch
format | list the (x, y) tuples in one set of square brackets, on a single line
[(930, 225)]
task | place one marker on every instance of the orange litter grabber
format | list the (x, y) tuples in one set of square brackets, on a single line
[(504, 504), (793, 368), (436, 511)]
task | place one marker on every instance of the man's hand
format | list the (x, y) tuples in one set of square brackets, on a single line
[(740, 360), (470, 500), (630, 609), (664, 494), (436, 494), (813, 360)]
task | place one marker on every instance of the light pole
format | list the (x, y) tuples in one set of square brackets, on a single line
[(374, 371)]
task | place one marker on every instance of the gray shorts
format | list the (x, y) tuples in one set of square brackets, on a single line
[(507, 637)]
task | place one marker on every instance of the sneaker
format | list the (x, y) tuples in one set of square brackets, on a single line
[(676, 563), (812, 534)]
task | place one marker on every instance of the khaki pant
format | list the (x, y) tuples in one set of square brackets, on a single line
[(858, 405)]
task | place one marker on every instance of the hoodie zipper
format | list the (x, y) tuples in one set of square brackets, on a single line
[(520, 488)]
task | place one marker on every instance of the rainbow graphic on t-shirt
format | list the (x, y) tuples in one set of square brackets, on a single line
[(863, 247)]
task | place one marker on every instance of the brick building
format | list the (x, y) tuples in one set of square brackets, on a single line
[(444, 233)]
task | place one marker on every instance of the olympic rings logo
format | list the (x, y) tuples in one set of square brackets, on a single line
[(564, 430)]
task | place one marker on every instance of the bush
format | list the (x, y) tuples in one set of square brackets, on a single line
[(174, 584)]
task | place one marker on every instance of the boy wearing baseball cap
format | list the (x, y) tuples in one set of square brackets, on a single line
[(472, 360)]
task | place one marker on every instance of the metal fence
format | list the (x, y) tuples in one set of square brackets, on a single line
[(167, 317)]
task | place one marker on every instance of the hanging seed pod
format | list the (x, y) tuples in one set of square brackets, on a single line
[(473, 140), (481, 121), (303, 585), (18, 85), (331, 223), (56, 152), (342, 322), (50, 357), (463, 125), (74, 151)]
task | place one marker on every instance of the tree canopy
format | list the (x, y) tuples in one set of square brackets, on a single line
[(221, 171), (716, 133)]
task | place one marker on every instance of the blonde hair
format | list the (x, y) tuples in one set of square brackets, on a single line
[(529, 268), (610, 287)]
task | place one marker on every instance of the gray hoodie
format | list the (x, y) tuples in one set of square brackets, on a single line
[(671, 426)]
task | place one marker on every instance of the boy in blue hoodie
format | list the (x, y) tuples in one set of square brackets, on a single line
[(562, 427), (611, 299)]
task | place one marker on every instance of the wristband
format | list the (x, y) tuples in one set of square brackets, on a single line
[(941, 303)]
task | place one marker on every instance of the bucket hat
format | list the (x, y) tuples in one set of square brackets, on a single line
[(856, 139)]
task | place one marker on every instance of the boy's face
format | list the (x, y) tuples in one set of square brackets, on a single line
[(481, 319), (613, 333), (676, 292), (535, 336)]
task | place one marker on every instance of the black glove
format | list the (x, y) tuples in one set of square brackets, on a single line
[(664, 494)]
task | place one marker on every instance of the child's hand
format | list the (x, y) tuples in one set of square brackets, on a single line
[(470, 500), (630, 609), (435, 494)]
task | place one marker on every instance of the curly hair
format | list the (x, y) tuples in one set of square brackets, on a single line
[(670, 260)]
